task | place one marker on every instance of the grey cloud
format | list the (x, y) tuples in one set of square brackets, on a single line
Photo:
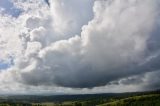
[(147, 81), (48, 3), (112, 46), (107, 44)]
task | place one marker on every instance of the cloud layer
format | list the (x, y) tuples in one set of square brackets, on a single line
[(81, 44)]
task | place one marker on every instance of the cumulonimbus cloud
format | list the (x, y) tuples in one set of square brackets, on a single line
[(86, 45)]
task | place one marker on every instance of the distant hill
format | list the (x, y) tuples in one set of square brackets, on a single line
[(61, 98), (149, 98)]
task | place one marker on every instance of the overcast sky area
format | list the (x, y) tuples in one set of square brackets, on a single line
[(79, 46)]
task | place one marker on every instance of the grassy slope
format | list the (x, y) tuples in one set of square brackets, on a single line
[(122, 99), (144, 100)]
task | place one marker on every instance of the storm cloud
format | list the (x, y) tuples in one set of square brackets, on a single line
[(82, 44)]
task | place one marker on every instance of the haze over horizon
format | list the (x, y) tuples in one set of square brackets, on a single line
[(79, 46)]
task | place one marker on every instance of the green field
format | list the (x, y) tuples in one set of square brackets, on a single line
[(122, 99), (145, 100)]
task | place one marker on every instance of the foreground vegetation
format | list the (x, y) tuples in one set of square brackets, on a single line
[(144, 100), (122, 99)]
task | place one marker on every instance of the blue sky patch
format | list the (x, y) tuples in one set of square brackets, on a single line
[(6, 65), (9, 8)]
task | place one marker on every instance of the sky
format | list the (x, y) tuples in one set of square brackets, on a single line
[(85, 46)]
